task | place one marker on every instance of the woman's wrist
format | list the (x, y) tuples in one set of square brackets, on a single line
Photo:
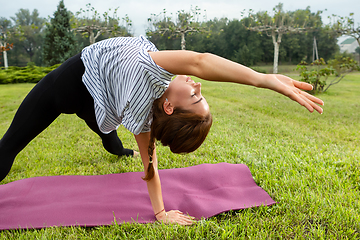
[(261, 80), (163, 210), (161, 215)]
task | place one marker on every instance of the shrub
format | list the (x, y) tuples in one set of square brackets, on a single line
[(29, 74), (318, 76)]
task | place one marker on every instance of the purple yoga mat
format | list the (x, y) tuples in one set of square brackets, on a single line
[(201, 191)]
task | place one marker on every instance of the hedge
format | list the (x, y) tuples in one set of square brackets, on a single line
[(29, 74)]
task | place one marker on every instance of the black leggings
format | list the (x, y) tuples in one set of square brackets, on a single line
[(61, 91)]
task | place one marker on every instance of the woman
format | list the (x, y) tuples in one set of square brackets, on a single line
[(128, 81)]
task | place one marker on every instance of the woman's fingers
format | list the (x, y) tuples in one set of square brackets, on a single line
[(307, 86), (302, 85), (305, 100), (311, 106), (312, 101), (312, 98), (186, 220), (293, 91), (175, 216)]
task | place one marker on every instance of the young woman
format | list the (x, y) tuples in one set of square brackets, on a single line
[(128, 81)]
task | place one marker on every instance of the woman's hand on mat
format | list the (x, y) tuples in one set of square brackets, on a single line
[(175, 216), (293, 89)]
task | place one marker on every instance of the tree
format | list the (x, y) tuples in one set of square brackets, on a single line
[(90, 24), (184, 23), (232, 40), (345, 26), (4, 49), (31, 25), (7, 34), (59, 42), (4, 45), (239, 44), (321, 71), (212, 43), (281, 23), (357, 50), (299, 46)]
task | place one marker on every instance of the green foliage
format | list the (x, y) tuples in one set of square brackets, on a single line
[(8, 34), (357, 50), (26, 33), (243, 55), (29, 74), (315, 76), (31, 65), (32, 26), (297, 47), (280, 23), (230, 39), (59, 42), (319, 74), (345, 26)]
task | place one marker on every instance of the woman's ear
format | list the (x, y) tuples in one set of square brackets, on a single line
[(168, 107)]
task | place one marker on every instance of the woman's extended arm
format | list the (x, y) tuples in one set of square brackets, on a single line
[(214, 68), (154, 186)]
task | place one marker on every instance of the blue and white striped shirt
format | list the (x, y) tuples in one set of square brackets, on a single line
[(124, 81)]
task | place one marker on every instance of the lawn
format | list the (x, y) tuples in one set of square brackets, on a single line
[(307, 162)]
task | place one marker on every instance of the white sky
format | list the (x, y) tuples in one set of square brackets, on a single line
[(139, 10)]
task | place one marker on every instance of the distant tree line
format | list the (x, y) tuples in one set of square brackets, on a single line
[(49, 41), (235, 40)]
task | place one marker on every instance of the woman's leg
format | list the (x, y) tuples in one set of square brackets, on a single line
[(61, 91), (35, 113), (73, 97), (111, 141)]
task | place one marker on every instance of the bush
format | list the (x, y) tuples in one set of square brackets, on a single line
[(29, 74), (318, 76)]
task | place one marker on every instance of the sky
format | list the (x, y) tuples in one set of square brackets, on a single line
[(140, 10)]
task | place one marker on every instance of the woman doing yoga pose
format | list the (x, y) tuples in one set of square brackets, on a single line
[(128, 81)]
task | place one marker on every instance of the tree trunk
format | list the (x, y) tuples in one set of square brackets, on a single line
[(3, 45), (91, 38), (276, 50), (5, 60), (315, 51), (182, 41)]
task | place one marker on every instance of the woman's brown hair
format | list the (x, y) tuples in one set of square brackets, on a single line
[(183, 131)]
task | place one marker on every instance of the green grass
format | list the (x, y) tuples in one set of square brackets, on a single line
[(308, 163)]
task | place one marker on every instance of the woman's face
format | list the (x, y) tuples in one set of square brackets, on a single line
[(185, 93)]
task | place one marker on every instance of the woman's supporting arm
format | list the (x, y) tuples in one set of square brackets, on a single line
[(214, 68), (154, 186)]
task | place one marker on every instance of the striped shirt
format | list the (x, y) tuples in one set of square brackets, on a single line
[(124, 81)]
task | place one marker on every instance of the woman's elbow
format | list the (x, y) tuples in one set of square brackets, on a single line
[(199, 63)]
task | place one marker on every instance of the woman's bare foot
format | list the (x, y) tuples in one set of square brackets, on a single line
[(136, 154)]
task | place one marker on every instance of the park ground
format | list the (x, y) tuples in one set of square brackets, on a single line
[(307, 162)]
